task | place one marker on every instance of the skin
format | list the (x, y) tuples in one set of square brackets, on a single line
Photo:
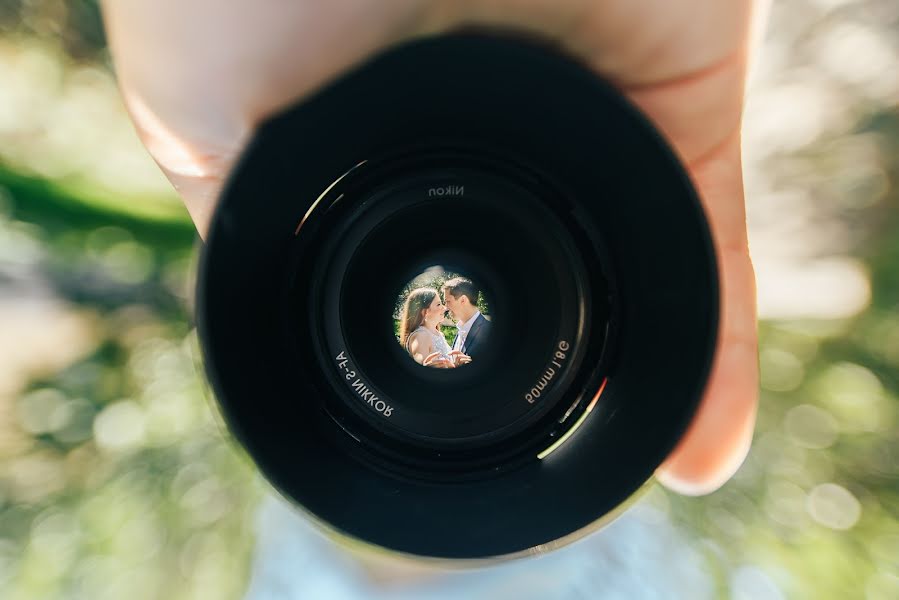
[(461, 308), (421, 345), (198, 76), (434, 315), (433, 319)]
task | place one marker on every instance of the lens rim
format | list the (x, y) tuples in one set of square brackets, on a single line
[(486, 387), (594, 146)]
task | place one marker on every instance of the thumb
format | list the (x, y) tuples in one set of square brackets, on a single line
[(198, 77)]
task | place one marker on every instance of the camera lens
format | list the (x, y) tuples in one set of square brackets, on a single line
[(450, 211), (461, 302)]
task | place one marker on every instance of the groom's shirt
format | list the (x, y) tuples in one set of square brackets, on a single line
[(464, 328)]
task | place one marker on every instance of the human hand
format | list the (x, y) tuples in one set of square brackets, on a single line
[(438, 360), (199, 76), (459, 358)]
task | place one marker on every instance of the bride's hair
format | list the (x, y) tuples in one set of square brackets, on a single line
[(417, 302)]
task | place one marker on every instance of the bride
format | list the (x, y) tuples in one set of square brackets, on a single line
[(420, 331)]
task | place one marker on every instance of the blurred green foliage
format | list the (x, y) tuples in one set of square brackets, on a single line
[(815, 507), (116, 480), (75, 24)]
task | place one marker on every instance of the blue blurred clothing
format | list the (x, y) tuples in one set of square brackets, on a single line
[(639, 556)]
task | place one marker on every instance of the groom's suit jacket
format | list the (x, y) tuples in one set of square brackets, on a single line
[(477, 335)]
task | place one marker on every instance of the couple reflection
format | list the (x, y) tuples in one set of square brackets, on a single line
[(423, 314)]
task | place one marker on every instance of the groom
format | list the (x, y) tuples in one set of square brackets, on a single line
[(461, 298)]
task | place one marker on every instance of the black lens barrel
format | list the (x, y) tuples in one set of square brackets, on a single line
[(306, 254)]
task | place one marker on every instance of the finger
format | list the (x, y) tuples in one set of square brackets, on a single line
[(430, 358), (718, 439), (631, 42), (199, 76)]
